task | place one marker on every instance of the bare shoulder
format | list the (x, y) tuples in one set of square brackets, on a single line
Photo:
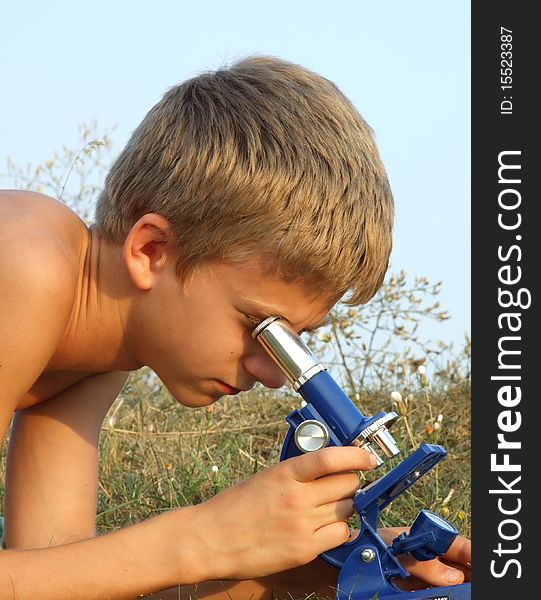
[(31, 217), (40, 229), (41, 241)]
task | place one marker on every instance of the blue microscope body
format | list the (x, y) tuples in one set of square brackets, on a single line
[(367, 564)]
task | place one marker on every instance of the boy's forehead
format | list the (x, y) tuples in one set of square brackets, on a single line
[(262, 291), (255, 277)]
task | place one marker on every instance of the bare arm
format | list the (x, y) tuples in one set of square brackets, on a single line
[(52, 466), (140, 559), (281, 517)]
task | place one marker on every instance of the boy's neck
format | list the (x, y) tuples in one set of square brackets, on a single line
[(96, 338)]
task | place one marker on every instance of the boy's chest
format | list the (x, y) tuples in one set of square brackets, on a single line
[(48, 385)]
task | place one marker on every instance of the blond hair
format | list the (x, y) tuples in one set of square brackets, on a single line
[(264, 157)]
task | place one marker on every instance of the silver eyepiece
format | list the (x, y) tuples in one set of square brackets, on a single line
[(287, 349)]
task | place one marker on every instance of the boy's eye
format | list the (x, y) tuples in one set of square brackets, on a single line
[(253, 321)]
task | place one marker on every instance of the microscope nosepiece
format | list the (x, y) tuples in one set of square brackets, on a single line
[(386, 442), (377, 434)]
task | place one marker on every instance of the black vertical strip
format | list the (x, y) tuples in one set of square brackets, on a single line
[(506, 254)]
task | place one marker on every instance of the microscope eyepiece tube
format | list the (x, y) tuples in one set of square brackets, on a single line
[(281, 341), (311, 380)]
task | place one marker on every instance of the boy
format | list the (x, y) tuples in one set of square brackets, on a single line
[(251, 191)]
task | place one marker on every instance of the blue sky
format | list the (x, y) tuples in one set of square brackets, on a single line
[(405, 66)]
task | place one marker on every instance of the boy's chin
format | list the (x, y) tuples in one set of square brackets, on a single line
[(196, 399)]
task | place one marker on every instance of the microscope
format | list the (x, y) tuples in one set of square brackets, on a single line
[(328, 417)]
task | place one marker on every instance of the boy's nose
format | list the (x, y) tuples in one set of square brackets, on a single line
[(264, 369)]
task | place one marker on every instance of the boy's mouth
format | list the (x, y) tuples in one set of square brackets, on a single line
[(227, 389)]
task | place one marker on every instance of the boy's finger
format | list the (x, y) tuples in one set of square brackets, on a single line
[(333, 512), (330, 536), (330, 460), (466, 569), (335, 487), (434, 572), (409, 584), (460, 551)]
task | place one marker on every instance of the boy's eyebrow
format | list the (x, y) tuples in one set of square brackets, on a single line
[(269, 311), (261, 308)]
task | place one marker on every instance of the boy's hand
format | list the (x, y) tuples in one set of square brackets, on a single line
[(453, 568), (283, 516)]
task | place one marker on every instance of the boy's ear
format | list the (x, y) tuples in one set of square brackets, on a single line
[(148, 246)]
